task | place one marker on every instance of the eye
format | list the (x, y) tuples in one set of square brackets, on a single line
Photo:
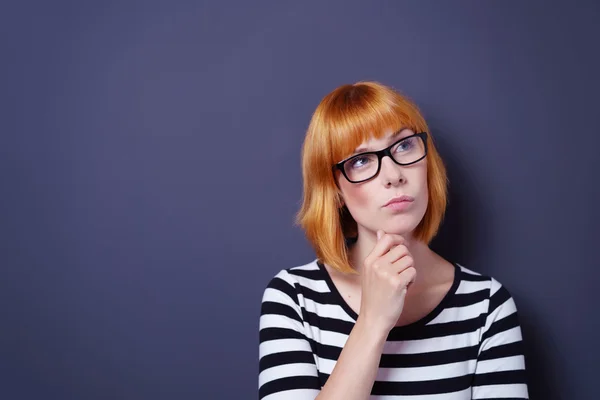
[(359, 162), (405, 145)]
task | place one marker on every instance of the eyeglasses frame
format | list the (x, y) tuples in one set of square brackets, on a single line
[(380, 154)]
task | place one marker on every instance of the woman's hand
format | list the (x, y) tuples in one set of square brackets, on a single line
[(387, 272)]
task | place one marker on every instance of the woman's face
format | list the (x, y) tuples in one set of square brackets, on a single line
[(367, 201)]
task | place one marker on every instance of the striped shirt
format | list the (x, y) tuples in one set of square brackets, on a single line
[(468, 347)]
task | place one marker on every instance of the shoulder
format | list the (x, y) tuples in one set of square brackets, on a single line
[(291, 282), (495, 293), (479, 281)]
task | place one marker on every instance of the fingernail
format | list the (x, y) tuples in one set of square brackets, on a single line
[(379, 233)]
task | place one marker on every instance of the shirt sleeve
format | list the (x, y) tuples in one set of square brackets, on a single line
[(287, 368), (500, 370)]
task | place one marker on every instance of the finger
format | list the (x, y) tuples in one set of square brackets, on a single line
[(402, 264), (396, 253), (407, 277), (383, 245)]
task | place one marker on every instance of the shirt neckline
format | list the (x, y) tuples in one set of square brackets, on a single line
[(423, 321)]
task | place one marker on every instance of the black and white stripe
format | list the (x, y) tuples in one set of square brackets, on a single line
[(469, 347)]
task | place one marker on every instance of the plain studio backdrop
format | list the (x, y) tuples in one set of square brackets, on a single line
[(150, 174)]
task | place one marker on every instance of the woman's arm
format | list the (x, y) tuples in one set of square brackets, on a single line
[(355, 371), (500, 370), (386, 274)]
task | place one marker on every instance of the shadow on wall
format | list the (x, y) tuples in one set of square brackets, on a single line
[(467, 217), (462, 232)]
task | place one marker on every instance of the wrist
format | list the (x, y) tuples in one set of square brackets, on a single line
[(370, 332)]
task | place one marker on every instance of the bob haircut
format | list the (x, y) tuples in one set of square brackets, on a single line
[(348, 116)]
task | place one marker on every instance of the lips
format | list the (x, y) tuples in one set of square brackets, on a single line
[(399, 199)]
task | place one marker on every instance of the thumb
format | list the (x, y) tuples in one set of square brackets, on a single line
[(379, 234)]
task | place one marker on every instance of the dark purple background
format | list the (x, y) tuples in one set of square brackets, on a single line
[(150, 172)]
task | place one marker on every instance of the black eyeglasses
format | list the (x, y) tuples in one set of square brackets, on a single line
[(365, 166)]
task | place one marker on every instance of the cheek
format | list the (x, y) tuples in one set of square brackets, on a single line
[(356, 196), (423, 193), (425, 198), (359, 198), (422, 179)]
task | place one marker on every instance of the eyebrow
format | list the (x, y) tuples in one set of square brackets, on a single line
[(391, 139)]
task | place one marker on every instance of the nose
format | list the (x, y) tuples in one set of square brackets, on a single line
[(391, 173)]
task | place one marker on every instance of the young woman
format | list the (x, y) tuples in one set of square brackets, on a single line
[(378, 314)]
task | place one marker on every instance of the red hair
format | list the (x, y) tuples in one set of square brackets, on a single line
[(345, 118)]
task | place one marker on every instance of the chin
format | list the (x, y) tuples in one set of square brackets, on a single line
[(400, 226), (401, 229), (401, 232)]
